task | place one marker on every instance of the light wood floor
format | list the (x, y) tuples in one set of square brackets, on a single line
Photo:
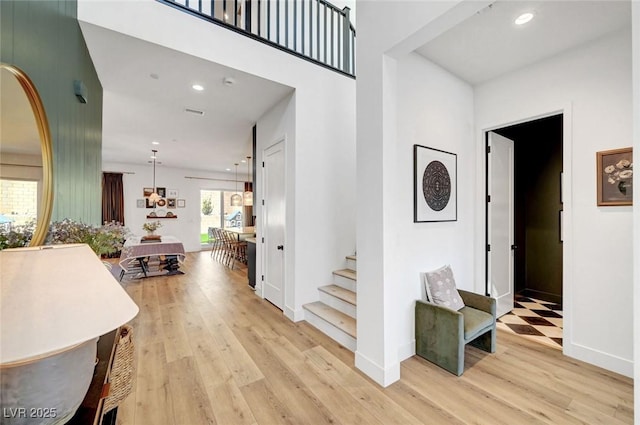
[(210, 352)]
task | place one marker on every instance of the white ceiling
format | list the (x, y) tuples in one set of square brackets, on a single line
[(139, 109), (490, 44)]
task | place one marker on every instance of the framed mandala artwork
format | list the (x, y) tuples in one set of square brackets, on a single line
[(434, 185)]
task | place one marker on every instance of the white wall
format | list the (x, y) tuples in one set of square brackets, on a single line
[(595, 82), (443, 122), (392, 94), (278, 124), (635, 10), (387, 242), (187, 226), (321, 231)]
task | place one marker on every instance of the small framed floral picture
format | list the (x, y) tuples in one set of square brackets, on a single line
[(172, 193), (181, 203), (171, 202), (615, 177)]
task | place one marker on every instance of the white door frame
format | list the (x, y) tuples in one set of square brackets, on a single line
[(567, 207), (260, 233)]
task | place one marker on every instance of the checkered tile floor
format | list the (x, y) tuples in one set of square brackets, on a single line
[(534, 319)]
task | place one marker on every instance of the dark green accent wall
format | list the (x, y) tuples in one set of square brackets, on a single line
[(43, 38), (538, 164)]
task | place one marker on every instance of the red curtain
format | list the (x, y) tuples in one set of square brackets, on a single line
[(112, 198)]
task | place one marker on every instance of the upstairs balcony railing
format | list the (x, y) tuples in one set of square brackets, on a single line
[(314, 30)]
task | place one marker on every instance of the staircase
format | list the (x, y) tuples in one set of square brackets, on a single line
[(335, 313)]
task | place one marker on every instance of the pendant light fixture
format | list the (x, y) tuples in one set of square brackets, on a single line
[(248, 194), (236, 200), (154, 197)]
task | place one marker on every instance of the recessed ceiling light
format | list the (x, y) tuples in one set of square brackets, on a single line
[(155, 142), (228, 169), (197, 87), (524, 18), (243, 161)]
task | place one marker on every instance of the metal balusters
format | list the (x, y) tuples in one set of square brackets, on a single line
[(346, 25), (329, 41), (325, 33), (277, 21), (310, 29), (259, 18), (333, 14), (302, 25)]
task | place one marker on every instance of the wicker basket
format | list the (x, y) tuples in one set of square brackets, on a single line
[(121, 376)]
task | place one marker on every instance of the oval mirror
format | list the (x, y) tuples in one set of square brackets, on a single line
[(25, 155)]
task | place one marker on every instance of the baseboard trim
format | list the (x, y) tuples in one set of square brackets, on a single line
[(406, 351), (542, 296), (294, 315), (383, 377), (599, 358)]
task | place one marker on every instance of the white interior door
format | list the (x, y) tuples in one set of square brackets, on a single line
[(501, 221), (274, 223)]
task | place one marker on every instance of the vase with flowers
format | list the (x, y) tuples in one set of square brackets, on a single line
[(151, 226)]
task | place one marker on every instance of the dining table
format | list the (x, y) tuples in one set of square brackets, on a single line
[(151, 257)]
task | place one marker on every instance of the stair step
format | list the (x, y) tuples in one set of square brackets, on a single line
[(351, 262), (346, 279), (336, 318), (348, 273), (340, 293)]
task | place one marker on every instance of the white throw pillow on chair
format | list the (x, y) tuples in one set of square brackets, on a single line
[(441, 288)]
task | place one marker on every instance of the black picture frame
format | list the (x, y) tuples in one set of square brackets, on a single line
[(435, 180)]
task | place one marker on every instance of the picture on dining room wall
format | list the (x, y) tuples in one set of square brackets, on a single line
[(434, 185), (614, 171), (140, 203), (181, 203), (172, 193), (147, 191), (161, 191), (171, 203)]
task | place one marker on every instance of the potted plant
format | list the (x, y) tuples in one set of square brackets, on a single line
[(151, 226), (105, 240)]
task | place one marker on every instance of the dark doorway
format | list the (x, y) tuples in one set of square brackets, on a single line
[(538, 203)]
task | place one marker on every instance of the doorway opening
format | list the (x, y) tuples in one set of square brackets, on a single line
[(531, 261), (216, 211)]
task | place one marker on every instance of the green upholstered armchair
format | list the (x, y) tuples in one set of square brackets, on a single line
[(442, 333)]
